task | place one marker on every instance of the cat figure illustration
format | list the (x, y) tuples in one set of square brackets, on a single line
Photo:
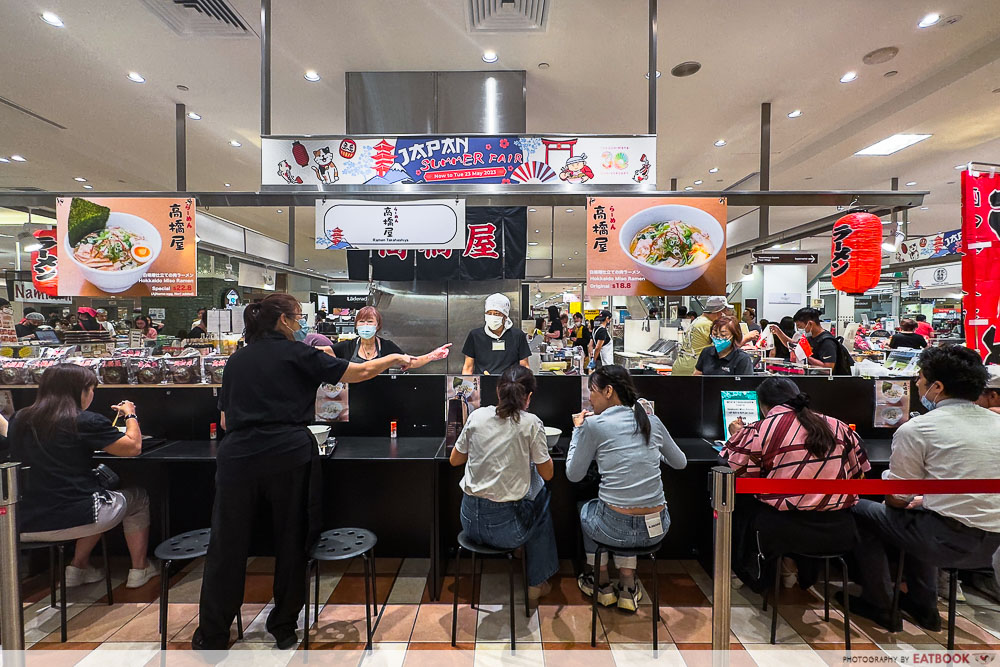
[(326, 170), (285, 171)]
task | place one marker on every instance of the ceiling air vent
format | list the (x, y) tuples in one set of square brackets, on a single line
[(201, 18), (508, 15)]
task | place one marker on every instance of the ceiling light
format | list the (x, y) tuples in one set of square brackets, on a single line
[(3, 159), (795, 114), (563, 264), (543, 65), (89, 187), (888, 247), (891, 73), (910, 183), (279, 210), (532, 242), (28, 241), (957, 166), (182, 88), (18, 158), (536, 231), (720, 143), (305, 260), (311, 75), (850, 76), (532, 210), (929, 20), (685, 69), (193, 116), (569, 210), (657, 74), (923, 208), (747, 270), (689, 188), (713, 170), (52, 19), (136, 77), (80, 179), (698, 182), (490, 56), (227, 185), (234, 143), (893, 144)]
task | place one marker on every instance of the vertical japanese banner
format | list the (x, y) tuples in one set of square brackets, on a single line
[(392, 264), (639, 246), (981, 263), (44, 263), (132, 247)]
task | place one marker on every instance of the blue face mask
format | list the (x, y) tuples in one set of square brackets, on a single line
[(367, 331), (721, 343), (927, 403)]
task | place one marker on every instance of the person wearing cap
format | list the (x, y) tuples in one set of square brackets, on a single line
[(497, 346), (990, 398), (29, 325), (102, 321), (699, 336), (604, 353), (86, 320)]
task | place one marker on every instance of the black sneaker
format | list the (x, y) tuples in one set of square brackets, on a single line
[(198, 643), (860, 607), (928, 619), (285, 640)]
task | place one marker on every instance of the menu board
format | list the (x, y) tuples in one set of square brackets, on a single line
[(332, 403), (736, 406), (892, 403), (461, 398)]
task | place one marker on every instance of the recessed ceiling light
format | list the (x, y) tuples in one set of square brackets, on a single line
[(657, 74), (279, 210), (893, 144), (713, 170), (563, 264), (911, 183), (3, 159), (698, 182), (181, 87), (923, 208), (490, 56), (52, 19), (689, 188), (193, 116), (305, 260), (569, 210), (532, 242), (795, 114), (18, 158), (532, 210), (569, 259), (88, 187), (136, 77), (536, 231), (227, 185), (929, 20), (850, 76), (234, 143), (80, 179), (891, 73), (311, 75), (720, 143), (543, 65), (685, 68)]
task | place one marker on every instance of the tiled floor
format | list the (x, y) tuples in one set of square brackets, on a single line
[(411, 623)]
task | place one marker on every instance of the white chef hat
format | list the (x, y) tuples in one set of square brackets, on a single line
[(498, 302)]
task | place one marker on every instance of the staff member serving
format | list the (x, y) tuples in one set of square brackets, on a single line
[(497, 346), (368, 345)]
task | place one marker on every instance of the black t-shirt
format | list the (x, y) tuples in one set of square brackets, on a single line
[(907, 339), (825, 347), (581, 335), (736, 362), (23, 330), (61, 485), (557, 326), (346, 349), (601, 334), (495, 356), (269, 397)]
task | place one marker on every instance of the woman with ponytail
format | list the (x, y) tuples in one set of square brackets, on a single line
[(268, 461), (506, 504), (630, 510), (792, 442)]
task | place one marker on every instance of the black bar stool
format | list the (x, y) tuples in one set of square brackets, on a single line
[(826, 593), (186, 546), (952, 597), (638, 552), (481, 550), (60, 549), (345, 544)]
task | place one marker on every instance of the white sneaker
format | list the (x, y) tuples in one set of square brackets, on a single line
[(943, 585), (137, 578), (78, 576)]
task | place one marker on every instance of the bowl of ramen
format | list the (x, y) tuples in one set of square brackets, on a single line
[(671, 245), (115, 256)]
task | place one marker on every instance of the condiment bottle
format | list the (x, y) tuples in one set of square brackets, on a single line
[(212, 433), (392, 429)]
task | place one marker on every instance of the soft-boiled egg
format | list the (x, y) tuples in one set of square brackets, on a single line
[(142, 253)]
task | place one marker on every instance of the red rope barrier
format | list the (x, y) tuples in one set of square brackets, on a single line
[(869, 487)]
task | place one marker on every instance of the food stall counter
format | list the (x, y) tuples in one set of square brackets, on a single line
[(349, 448)]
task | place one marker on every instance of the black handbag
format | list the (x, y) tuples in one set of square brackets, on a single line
[(107, 478)]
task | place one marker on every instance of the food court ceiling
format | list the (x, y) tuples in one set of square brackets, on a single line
[(119, 134)]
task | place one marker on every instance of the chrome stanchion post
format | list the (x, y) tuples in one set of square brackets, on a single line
[(723, 488), (11, 627)]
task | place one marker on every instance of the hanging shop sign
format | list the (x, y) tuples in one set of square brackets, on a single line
[(981, 263), (27, 293), (786, 258), (448, 159), (945, 275), (364, 225), (656, 246), (926, 247), (856, 253), (133, 247), (44, 263)]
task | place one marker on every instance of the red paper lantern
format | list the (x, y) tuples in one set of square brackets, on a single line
[(856, 263)]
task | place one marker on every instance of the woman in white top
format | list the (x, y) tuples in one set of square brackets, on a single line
[(506, 504)]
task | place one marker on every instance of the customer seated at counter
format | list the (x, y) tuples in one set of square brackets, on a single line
[(630, 510), (505, 503), (143, 324), (791, 442), (55, 439), (907, 336), (956, 439), (369, 345), (494, 348), (698, 336), (724, 356)]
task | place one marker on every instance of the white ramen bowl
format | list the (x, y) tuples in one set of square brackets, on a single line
[(119, 281), (672, 278), (552, 435)]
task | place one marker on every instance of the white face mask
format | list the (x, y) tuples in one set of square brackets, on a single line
[(494, 322)]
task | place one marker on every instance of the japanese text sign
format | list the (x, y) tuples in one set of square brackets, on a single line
[(370, 225)]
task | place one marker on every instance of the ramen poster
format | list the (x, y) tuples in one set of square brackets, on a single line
[(132, 247), (644, 246)]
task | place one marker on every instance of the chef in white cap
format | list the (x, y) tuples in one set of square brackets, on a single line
[(498, 345)]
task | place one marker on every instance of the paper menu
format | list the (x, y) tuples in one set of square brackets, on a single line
[(892, 403), (738, 405)]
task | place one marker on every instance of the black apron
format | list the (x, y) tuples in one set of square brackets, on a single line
[(356, 357)]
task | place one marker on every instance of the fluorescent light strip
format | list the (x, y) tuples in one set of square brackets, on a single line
[(893, 144)]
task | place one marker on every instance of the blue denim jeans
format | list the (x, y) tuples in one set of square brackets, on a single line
[(510, 525), (602, 524)]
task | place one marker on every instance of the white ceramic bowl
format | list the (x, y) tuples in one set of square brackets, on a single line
[(552, 436), (119, 281), (320, 433), (672, 278)]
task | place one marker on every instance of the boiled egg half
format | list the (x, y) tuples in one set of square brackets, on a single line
[(142, 253)]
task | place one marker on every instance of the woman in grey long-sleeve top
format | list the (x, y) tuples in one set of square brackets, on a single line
[(630, 510)]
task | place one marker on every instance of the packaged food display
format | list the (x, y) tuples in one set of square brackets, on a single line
[(14, 371), (146, 371), (214, 367), (36, 367), (183, 370), (141, 352), (92, 364), (113, 371)]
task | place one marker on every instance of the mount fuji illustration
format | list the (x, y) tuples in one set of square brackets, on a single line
[(396, 174)]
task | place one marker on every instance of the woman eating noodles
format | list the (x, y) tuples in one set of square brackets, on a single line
[(268, 462), (505, 503), (724, 356), (792, 442), (630, 510), (369, 345)]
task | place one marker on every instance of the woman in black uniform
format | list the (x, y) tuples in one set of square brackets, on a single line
[(369, 345), (268, 457)]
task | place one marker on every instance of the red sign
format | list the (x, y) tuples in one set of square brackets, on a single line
[(348, 148), (981, 263), (44, 270), (856, 259)]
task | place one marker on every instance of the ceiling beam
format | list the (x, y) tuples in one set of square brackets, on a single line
[(803, 231)]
